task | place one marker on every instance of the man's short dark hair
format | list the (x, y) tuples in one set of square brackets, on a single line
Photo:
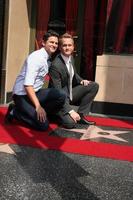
[(50, 33)]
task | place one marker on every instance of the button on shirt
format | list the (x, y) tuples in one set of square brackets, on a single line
[(33, 71)]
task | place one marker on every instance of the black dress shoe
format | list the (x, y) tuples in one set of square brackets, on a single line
[(84, 121), (9, 117)]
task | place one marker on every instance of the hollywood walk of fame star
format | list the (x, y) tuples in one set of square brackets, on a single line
[(95, 132)]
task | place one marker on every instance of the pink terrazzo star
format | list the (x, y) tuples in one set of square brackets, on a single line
[(5, 148), (95, 132)]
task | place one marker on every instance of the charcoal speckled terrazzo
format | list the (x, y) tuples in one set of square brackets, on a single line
[(37, 174)]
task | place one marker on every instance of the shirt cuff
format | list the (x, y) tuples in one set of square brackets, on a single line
[(71, 111)]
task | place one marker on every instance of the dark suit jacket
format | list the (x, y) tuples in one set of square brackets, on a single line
[(59, 77)]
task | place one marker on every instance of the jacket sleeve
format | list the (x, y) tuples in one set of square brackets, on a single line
[(78, 78), (55, 79)]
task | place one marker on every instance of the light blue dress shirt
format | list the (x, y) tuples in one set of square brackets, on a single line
[(33, 71)]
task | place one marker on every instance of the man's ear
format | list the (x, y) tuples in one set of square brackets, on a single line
[(43, 43)]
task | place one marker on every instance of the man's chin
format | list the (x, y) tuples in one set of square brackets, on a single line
[(67, 54), (53, 51)]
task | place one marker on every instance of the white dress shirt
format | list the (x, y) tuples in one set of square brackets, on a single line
[(67, 61)]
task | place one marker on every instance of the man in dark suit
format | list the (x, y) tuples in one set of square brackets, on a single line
[(79, 92)]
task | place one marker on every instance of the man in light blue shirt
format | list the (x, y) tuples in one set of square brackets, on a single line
[(32, 103)]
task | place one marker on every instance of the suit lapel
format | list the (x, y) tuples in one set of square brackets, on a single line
[(73, 65), (66, 70), (64, 65)]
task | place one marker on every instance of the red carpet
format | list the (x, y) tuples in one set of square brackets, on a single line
[(16, 134)]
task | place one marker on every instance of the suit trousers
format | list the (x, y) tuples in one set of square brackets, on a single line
[(83, 97), (50, 99)]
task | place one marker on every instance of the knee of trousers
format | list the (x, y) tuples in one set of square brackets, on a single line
[(61, 96), (95, 87), (43, 126)]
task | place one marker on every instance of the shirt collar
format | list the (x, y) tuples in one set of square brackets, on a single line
[(47, 56), (66, 59)]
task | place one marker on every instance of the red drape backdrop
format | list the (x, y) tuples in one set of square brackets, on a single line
[(71, 16), (110, 2), (94, 31), (119, 18), (131, 25), (119, 36), (43, 12), (123, 21)]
